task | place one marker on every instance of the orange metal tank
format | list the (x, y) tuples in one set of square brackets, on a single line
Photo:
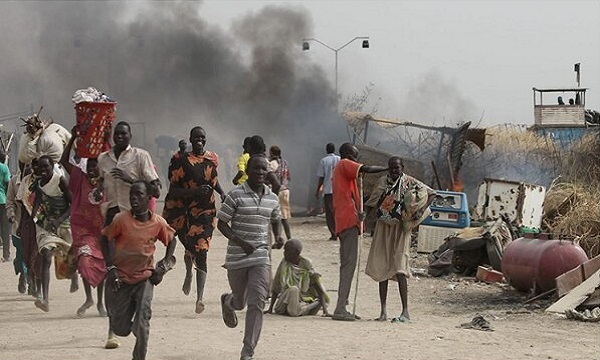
[(534, 264)]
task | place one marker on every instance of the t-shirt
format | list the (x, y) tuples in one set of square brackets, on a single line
[(242, 164), (345, 195), (250, 216), (325, 170), (4, 179), (134, 244), (136, 162)]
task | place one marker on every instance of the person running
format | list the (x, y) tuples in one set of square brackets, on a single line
[(402, 202), (324, 173), (51, 216), (86, 223), (282, 172), (26, 226), (297, 289), (249, 208), (119, 168), (241, 176), (131, 278), (190, 207), (348, 217)]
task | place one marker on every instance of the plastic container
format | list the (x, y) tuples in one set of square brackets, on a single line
[(534, 264), (94, 124)]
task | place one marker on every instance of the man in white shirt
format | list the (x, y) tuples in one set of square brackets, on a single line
[(324, 172)]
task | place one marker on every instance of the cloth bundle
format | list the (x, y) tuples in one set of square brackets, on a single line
[(90, 94)]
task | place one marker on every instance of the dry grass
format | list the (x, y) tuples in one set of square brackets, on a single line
[(580, 220), (572, 204), (582, 162)]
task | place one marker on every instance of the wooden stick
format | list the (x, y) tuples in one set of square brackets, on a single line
[(450, 171), (9, 142), (360, 240), (437, 177), (544, 294)]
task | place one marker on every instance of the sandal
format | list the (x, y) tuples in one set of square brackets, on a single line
[(229, 317), (345, 316), (400, 319)]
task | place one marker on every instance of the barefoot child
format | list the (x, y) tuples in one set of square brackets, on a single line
[(51, 216)]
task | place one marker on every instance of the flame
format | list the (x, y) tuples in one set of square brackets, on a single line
[(458, 186)]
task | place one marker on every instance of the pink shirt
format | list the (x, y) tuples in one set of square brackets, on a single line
[(135, 244)]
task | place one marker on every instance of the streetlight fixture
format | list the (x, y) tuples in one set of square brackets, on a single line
[(306, 47)]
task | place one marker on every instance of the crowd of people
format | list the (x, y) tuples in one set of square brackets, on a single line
[(95, 217)]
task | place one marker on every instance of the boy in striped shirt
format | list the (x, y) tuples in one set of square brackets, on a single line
[(249, 208)]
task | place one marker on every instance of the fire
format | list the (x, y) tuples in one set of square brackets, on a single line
[(457, 186)]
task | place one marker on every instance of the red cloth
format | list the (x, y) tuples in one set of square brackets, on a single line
[(86, 224), (135, 244), (345, 195)]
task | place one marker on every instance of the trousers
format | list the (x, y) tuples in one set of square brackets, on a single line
[(129, 310), (4, 232), (249, 286), (348, 259), (329, 213)]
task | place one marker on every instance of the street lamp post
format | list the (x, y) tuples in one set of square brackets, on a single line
[(306, 47)]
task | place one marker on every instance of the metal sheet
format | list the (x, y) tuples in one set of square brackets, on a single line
[(521, 202)]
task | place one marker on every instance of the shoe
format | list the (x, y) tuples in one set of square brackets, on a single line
[(246, 358), (478, 323), (8, 259), (42, 304), (112, 343), (332, 238), (345, 316), (229, 316)]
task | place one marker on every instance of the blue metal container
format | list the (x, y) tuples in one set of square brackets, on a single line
[(449, 209)]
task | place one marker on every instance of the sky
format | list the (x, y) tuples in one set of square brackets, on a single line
[(237, 67), (473, 59)]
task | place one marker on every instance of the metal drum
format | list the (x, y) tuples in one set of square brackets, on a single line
[(534, 263)]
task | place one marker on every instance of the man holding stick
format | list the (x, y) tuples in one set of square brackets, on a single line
[(347, 205)]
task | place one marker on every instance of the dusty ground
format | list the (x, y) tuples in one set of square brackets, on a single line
[(438, 306)]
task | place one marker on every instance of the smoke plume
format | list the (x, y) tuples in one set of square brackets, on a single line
[(171, 69)]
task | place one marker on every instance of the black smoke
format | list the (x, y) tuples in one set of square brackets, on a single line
[(170, 69)]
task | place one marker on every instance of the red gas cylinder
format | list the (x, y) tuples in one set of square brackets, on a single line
[(534, 263)]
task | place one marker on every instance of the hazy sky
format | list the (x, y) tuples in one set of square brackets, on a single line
[(484, 55)]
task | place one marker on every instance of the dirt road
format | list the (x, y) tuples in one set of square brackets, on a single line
[(438, 307)]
